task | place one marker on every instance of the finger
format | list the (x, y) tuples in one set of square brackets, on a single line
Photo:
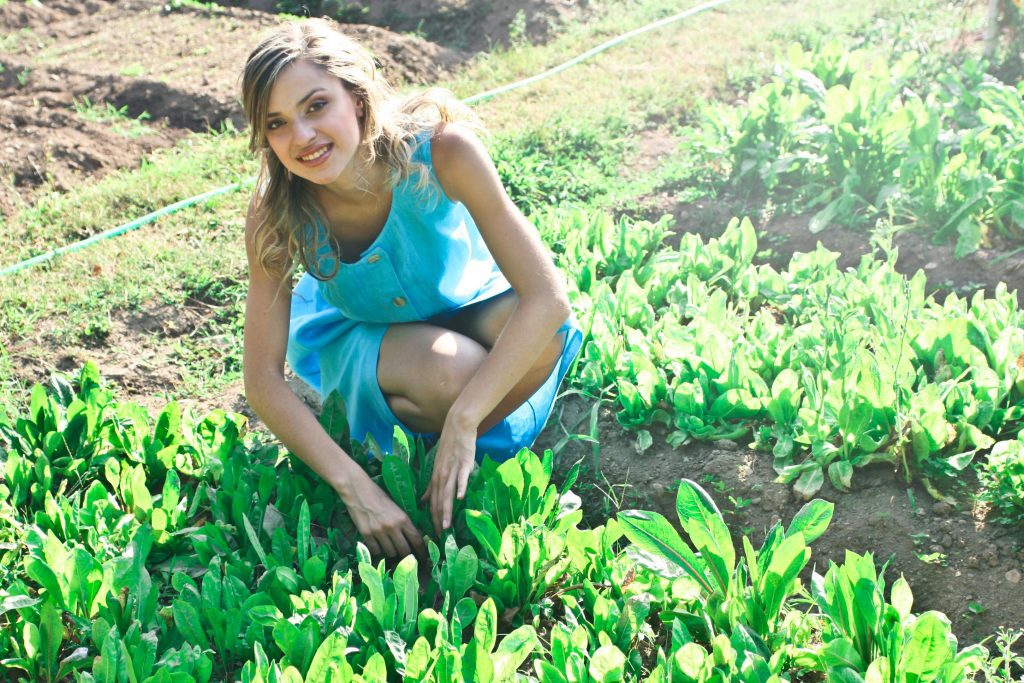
[(434, 478), (463, 481), (416, 540), (372, 546), (400, 544), (388, 547), (447, 499), (436, 499)]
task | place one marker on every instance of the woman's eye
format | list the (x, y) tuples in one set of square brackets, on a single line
[(317, 105), (272, 125)]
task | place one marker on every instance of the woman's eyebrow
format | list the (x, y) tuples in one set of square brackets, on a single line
[(299, 103)]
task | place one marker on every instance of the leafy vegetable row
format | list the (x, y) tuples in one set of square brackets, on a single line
[(848, 136), (177, 550), (830, 370)]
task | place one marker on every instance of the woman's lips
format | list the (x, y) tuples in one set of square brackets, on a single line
[(317, 156)]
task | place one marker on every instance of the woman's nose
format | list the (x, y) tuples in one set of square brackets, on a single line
[(304, 131)]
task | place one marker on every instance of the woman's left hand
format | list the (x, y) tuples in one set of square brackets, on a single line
[(453, 463)]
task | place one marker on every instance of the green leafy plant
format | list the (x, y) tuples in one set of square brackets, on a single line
[(1002, 479), (751, 592), (867, 636)]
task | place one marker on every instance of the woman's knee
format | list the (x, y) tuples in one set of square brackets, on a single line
[(423, 369)]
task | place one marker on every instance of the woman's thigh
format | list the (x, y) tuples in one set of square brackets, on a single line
[(421, 370)]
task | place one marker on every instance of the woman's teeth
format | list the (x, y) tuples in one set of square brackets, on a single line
[(315, 155)]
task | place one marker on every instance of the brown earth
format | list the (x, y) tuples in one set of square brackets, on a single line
[(180, 67), (177, 68), (469, 25)]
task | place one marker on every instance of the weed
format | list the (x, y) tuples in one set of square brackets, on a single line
[(132, 70), (559, 163), (124, 124), (208, 7), (1002, 479), (517, 30), (344, 12), (1007, 664)]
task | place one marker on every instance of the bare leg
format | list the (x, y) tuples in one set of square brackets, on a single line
[(423, 368)]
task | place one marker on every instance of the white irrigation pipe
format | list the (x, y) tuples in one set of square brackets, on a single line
[(177, 206)]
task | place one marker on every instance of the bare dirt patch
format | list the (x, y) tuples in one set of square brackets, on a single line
[(179, 69), (468, 25)]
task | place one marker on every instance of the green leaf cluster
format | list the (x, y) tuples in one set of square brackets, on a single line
[(252, 572), (854, 139)]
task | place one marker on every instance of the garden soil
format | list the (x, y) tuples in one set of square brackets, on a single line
[(176, 68), (180, 67)]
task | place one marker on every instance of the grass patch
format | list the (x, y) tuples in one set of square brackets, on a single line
[(560, 162), (195, 165), (123, 124)]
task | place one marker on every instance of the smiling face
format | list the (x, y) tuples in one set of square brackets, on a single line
[(313, 126)]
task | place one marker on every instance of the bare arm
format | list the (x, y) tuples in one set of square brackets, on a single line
[(267, 308), (467, 174)]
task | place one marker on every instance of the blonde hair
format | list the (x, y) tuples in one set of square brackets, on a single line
[(287, 211)]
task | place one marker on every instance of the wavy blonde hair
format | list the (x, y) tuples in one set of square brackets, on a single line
[(285, 206)]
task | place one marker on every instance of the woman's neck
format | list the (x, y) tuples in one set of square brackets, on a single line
[(367, 182)]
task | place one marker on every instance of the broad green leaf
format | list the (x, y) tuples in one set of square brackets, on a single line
[(40, 572), (840, 473), (302, 533), (334, 419), (327, 661), (701, 519), (513, 650), (607, 664), (140, 494), (810, 482), (812, 520), (254, 540), (787, 561), (400, 483), (688, 661), (462, 573), (397, 648), (902, 598), (485, 629), (486, 532), (371, 578), (840, 653), (927, 650), (652, 533), (111, 662), (375, 670), (407, 587), (51, 635), (18, 602), (186, 618), (78, 658), (314, 571), (418, 660)]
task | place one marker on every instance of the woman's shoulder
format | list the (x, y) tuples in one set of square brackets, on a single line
[(459, 158), (451, 141)]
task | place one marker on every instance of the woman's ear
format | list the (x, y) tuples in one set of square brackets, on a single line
[(359, 108)]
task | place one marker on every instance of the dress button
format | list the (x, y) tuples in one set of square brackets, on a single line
[(373, 259), (398, 301)]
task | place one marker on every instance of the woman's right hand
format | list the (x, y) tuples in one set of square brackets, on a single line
[(384, 526)]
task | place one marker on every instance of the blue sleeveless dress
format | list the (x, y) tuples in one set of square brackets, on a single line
[(428, 262)]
